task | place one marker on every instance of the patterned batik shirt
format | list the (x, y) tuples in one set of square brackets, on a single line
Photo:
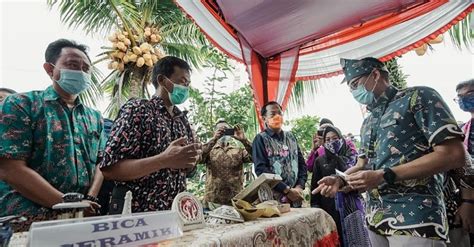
[(144, 128), (224, 171), (279, 153), (58, 143), (403, 126)]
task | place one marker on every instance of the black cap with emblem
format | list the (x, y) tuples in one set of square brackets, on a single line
[(354, 68)]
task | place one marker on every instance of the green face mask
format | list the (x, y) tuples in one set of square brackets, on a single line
[(179, 94)]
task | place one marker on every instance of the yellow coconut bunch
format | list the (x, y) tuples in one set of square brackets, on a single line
[(143, 53), (152, 35)]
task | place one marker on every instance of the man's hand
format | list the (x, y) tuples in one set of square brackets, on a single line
[(465, 217), (365, 180), (218, 134), (317, 142), (239, 133), (328, 186), (179, 156), (295, 194), (92, 210)]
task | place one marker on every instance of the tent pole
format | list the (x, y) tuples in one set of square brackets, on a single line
[(263, 63)]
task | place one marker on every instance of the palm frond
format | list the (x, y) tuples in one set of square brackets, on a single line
[(184, 31), (117, 86), (300, 94), (98, 17), (462, 34), (187, 52)]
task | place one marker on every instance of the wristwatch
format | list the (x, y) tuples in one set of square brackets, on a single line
[(389, 176), (92, 198)]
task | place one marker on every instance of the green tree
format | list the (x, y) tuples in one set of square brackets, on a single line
[(304, 128), (211, 104), (396, 75), (143, 32), (238, 108)]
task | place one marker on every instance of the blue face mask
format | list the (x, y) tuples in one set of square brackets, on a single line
[(362, 95), (466, 103), (74, 81)]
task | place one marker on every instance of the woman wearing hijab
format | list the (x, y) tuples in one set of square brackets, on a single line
[(319, 150), (326, 165), (337, 155)]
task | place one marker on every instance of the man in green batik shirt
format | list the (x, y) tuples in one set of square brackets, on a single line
[(50, 140), (409, 140)]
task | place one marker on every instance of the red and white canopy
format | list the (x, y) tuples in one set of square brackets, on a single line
[(283, 41)]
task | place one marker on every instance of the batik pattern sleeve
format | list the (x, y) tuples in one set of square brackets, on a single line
[(247, 152), (16, 128), (206, 150), (103, 138), (125, 141), (102, 144), (259, 156), (365, 132), (433, 116), (464, 176), (351, 153)]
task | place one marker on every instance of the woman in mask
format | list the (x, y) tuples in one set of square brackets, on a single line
[(337, 155), (318, 148)]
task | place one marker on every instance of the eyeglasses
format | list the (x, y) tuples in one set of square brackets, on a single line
[(354, 83), (468, 94)]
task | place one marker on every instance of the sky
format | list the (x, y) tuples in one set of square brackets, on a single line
[(27, 27)]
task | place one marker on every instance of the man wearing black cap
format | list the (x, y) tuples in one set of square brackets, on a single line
[(409, 139)]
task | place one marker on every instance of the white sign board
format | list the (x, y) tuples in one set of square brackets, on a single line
[(129, 230)]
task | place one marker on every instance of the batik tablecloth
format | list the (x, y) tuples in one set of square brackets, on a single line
[(300, 227)]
